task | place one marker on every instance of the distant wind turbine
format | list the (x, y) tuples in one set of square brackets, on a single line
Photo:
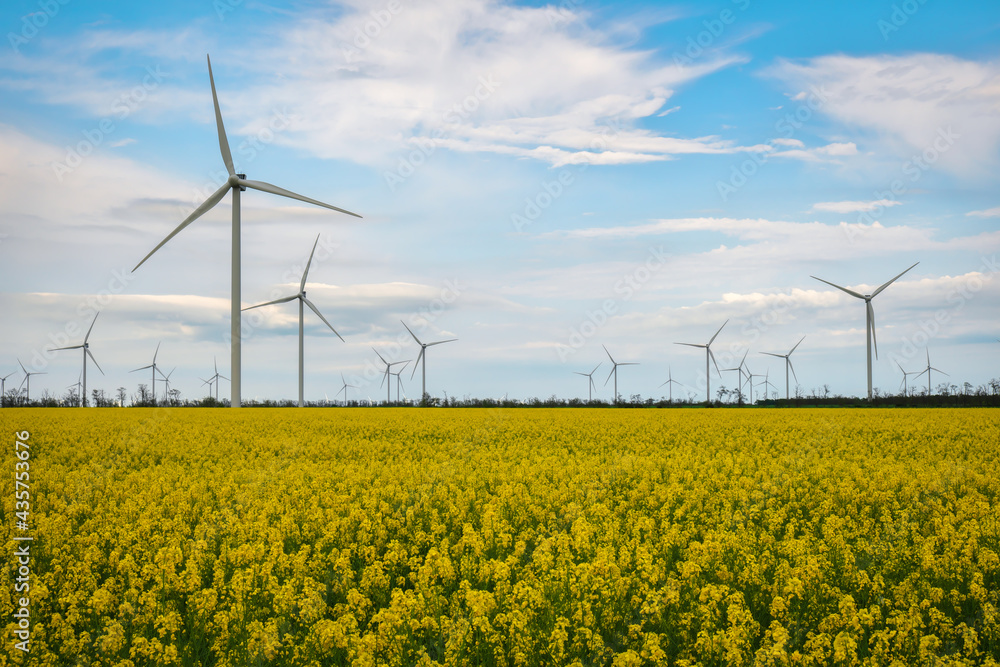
[(76, 385), (385, 376), (301, 296), (768, 383), (215, 379), (590, 384), (614, 370), (870, 318), (166, 383), (344, 388), (27, 379), (928, 371), (788, 365), (399, 379), (155, 370), (3, 389), (906, 375), (739, 370), (237, 183), (422, 359), (670, 383), (708, 355), (85, 346)]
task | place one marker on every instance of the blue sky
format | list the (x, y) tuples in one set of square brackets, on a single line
[(536, 180)]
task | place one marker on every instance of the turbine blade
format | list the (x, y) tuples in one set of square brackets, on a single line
[(842, 289), (271, 303), (302, 285), (450, 340), (156, 353), (275, 190), (595, 368), (385, 376), (140, 369), (380, 356), (71, 347), (227, 156), (320, 316), (412, 334), (417, 363), (796, 345), (198, 212), (91, 355), (85, 338), (792, 368), (875, 293), (691, 344), (939, 371), (613, 369), (712, 354), (579, 373), (718, 332), (225, 378), (772, 354)]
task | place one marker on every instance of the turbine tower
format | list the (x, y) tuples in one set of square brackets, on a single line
[(303, 301), (215, 379), (85, 346), (614, 370), (27, 379), (670, 382), (928, 371), (399, 379), (788, 365), (237, 183), (422, 360), (739, 371), (906, 375), (870, 318), (590, 385), (155, 370), (708, 355), (3, 389)]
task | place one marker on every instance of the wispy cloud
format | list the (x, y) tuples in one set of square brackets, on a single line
[(854, 206), (988, 213)]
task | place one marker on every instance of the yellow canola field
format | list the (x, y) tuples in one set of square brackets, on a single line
[(507, 537)]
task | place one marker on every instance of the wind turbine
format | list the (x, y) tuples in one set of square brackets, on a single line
[(708, 355), (3, 389), (237, 183), (739, 370), (215, 379), (768, 383), (590, 377), (77, 386), (155, 370), (27, 379), (671, 382), (750, 377), (928, 371), (906, 374), (399, 379), (166, 382), (344, 388), (788, 365), (422, 356), (614, 370), (870, 319), (85, 346), (303, 301), (385, 377)]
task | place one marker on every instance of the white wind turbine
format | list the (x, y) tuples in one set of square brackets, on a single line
[(906, 375), (739, 371), (671, 382), (166, 384), (422, 360), (928, 371), (708, 355), (590, 385), (388, 372), (399, 379), (614, 370), (303, 301), (76, 385), (768, 383), (788, 365), (236, 183), (3, 389), (870, 318), (344, 388), (27, 379), (215, 379), (155, 370), (85, 346)]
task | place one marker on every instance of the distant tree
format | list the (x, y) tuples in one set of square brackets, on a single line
[(122, 395)]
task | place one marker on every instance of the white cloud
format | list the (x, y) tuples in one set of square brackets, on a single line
[(854, 206), (988, 213), (908, 101), (826, 153)]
